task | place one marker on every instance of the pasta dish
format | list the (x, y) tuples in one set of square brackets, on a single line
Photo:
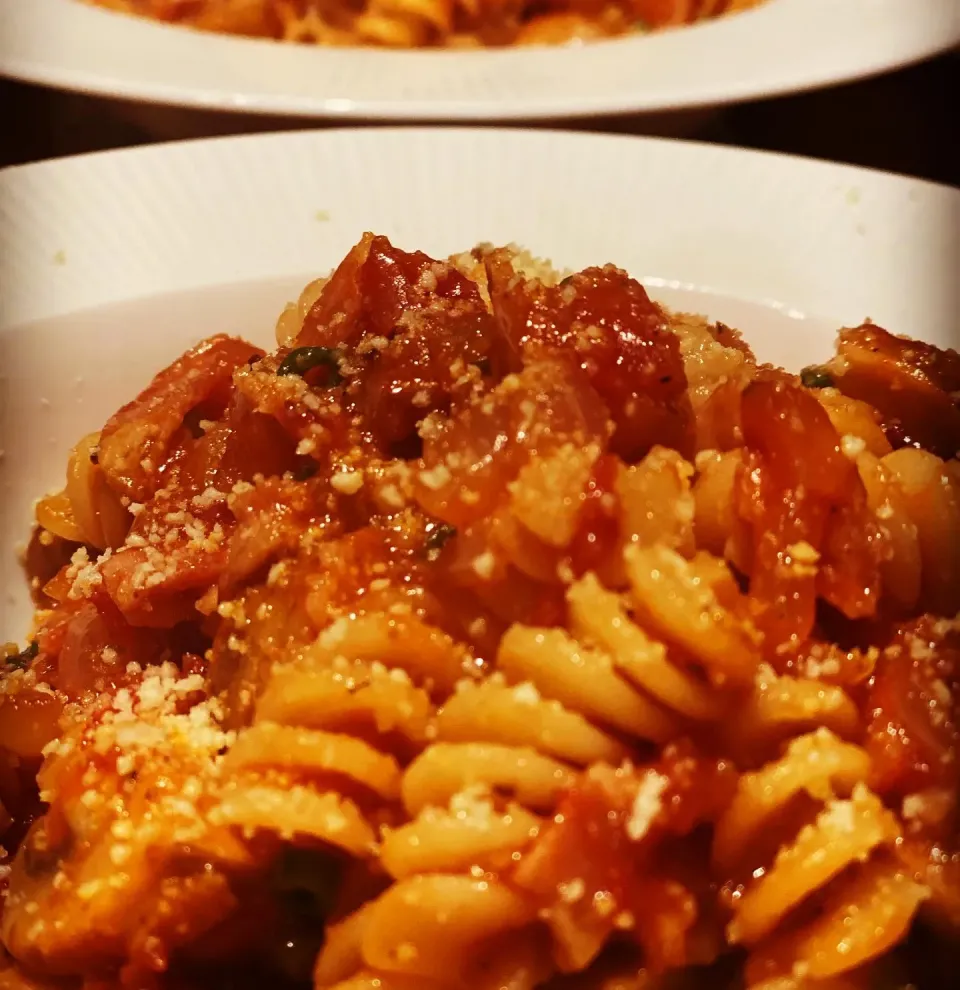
[(422, 23), (500, 629)]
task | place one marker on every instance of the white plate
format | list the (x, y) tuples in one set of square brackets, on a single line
[(112, 264), (782, 46)]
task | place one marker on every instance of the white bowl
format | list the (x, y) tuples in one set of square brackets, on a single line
[(112, 264), (779, 47)]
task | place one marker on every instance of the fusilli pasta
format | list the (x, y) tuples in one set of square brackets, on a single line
[(421, 23), (499, 630)]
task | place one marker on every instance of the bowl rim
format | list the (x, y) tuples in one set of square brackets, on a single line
[(780, 47)]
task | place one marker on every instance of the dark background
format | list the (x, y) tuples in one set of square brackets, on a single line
[(907, 122)]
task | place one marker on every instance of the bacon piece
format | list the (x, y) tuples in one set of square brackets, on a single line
[(175, 551), (178, 581), (85, 645), (813, 533), (605, 321), (136, 440), (915, 386), (243, 444)]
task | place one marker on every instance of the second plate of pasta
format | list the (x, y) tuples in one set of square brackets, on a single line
[(470, 59)]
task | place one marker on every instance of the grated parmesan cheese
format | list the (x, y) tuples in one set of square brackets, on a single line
[(646, 805), (852, 446), (483, 565), (526, 694), (347, 482), (572, 891), (437, 477)]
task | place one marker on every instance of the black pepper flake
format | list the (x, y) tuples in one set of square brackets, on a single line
[(438, 534), (22, 659), (816, 377), (303, 359)]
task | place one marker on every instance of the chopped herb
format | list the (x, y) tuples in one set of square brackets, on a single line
[(303, 359), (437, 536), (816, 377), (21, 660)]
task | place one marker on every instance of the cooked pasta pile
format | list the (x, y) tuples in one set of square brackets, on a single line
[(499, 630), (427, 23)]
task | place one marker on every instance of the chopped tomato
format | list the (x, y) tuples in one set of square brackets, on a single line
[(413, 330), (605, 321), (914, 729), (469, 460), (597, 863)]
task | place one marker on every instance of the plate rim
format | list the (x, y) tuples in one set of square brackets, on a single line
[(29, 192), (553, 130), (24, 31)]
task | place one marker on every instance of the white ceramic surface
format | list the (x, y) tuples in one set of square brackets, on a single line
[(112, 264), (782, 46)]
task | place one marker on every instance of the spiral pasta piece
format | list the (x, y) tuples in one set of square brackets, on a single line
[(717, 526), (916, 498), (824, 856), (86, 510), (610, 671), (319, 748), (426, 927), (597, 615), (494, 712), (779, 707), (694, 604), (293, 314), (580, 677), (883, 899)]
